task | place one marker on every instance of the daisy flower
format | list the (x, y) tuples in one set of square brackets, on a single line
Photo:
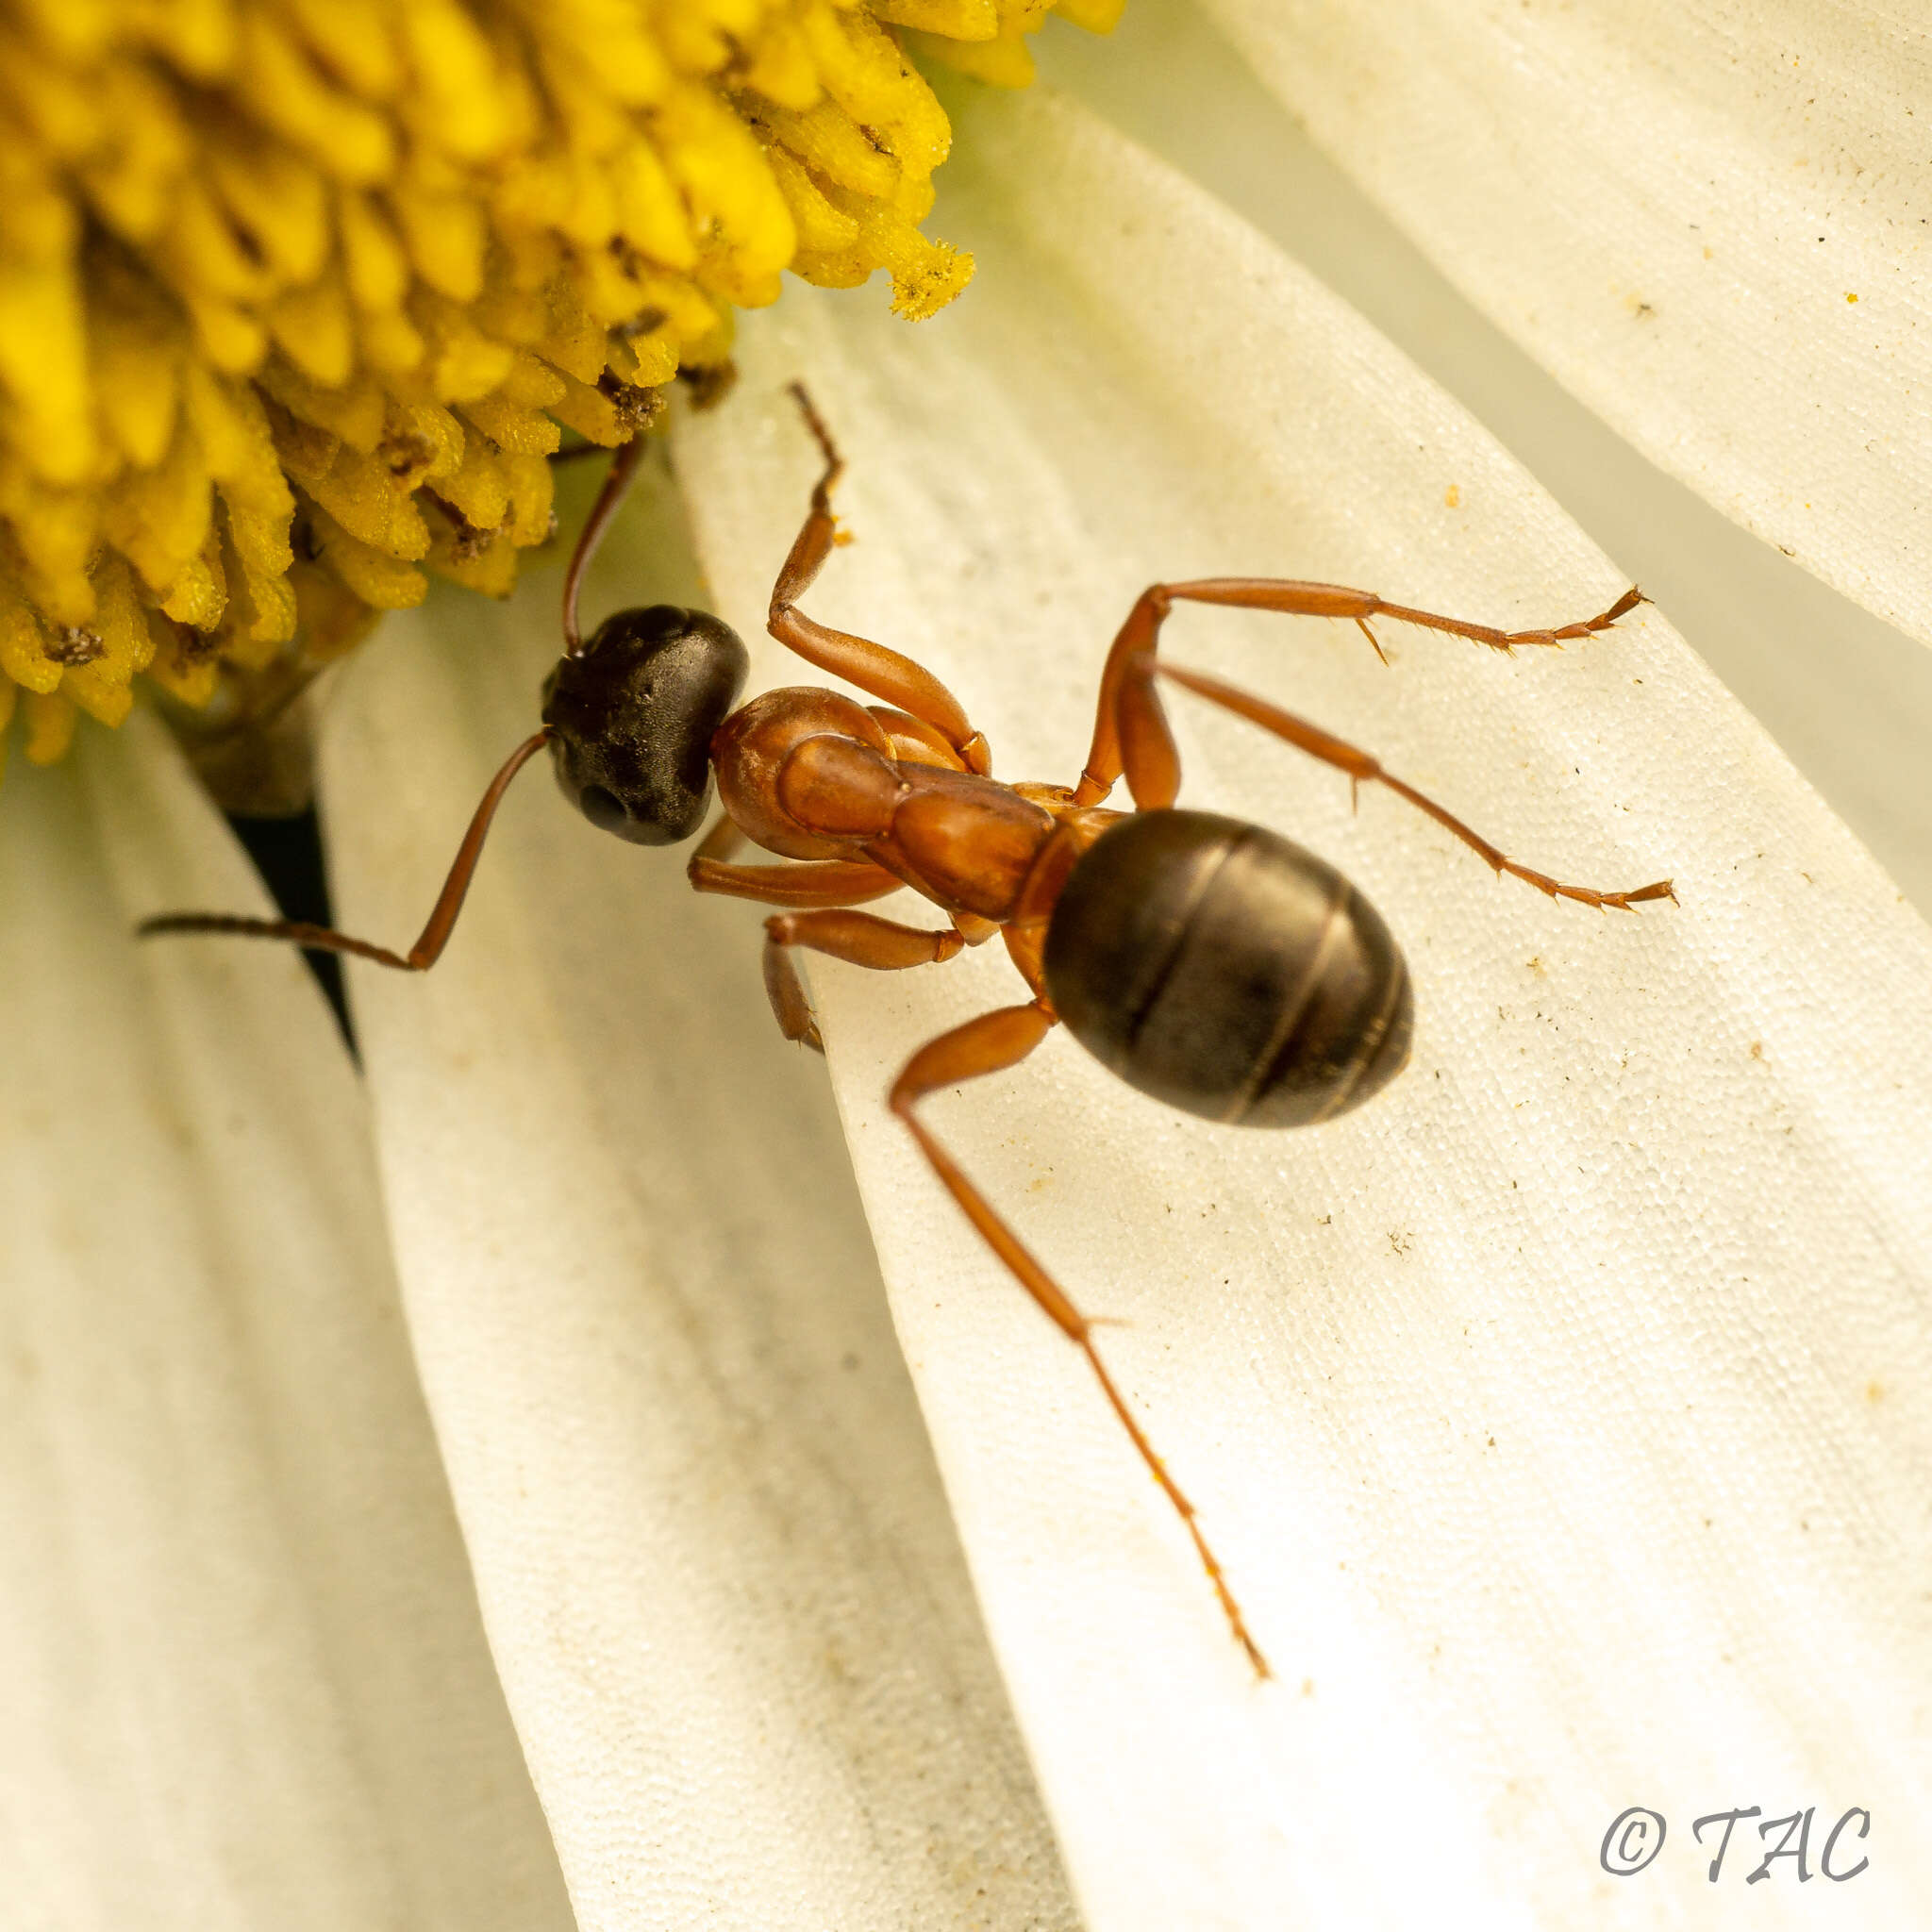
[(496, 1489)]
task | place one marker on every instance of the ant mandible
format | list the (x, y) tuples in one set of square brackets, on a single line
[(1209, 963)]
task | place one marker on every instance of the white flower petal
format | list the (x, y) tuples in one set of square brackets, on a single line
[(717, 1570), (245, 1682), (1705, 221), (1561, 1417), (1846, 696)]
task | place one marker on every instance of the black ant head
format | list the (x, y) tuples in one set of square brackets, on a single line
[(631, 720)]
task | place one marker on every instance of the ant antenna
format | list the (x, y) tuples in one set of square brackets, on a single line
[(442, 918), (615, 484)]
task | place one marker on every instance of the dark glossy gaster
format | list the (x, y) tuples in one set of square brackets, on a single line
[(1226, 971), (1211, 964)]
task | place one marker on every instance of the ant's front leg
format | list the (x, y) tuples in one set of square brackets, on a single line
[(860, 939), (810, 882), (875, 668)]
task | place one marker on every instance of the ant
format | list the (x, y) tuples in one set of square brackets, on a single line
[(1209, 963)]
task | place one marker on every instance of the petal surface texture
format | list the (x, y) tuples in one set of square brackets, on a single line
[(1707, 220), (1561, 1416), (245, 1682), (714, 1558), (1847, 697)]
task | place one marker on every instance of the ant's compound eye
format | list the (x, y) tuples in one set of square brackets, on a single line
[(631, 720), (604, 810)]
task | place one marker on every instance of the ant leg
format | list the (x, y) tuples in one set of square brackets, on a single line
[(828, 882), (1153, 767), (816, 882), (621, 469), (990, 1045), (860, 939), (1142, 632), (915, 741), (721, 841), (443, 917), (875, 668)]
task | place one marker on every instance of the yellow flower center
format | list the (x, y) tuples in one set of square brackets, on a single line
[(295, 295)]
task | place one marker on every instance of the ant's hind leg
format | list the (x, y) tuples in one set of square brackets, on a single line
[(1152, 769), (990, 1045), (885, 673)]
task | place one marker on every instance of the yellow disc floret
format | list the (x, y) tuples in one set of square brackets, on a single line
[(297, 295)]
